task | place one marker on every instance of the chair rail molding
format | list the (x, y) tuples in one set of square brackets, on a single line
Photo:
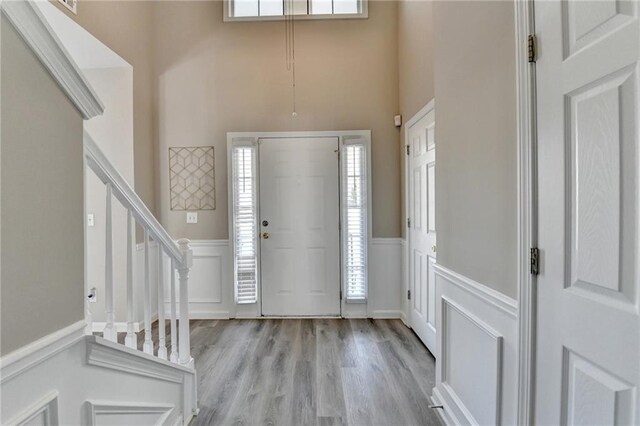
[(20, 360), (29, 22), (493, 297)]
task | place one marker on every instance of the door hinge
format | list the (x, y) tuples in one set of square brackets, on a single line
[(340, 294), (408, 149), (532, 46), (409, 294), (535, 261), (408, 222)]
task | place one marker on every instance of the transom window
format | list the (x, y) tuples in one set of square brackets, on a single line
[(244, 10)]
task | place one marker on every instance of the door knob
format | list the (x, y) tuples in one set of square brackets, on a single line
[(433, 248), (265, 235)]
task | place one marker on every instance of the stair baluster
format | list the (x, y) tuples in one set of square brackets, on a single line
[(162, 344), (131, 340), (109, 332)]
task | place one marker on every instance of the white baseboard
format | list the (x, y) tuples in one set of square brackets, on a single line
[(476, 352), (211, 282), (380, 314), (121, 327), (446, 414), (403, 318)]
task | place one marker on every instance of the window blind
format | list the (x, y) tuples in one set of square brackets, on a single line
[(355, 217), (245, 231)]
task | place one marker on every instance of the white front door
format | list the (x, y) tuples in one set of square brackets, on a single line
[(588, 327), (299, 226), (422, 228)]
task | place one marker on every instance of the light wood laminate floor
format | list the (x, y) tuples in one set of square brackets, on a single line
[(311, 372)]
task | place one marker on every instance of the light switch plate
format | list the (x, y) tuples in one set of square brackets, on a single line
[(91, 219), (192, 217)]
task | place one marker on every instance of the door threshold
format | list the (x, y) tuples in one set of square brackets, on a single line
[(300, 317)]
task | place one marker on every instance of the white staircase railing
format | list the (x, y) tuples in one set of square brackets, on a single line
[(180, 257)]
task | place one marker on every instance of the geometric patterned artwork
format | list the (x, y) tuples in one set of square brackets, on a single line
[(192, 178)]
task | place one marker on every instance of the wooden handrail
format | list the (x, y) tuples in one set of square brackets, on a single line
[(103, 169)]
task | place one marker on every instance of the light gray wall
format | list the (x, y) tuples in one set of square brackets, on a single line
[(113, 132), (216, 77), (475, 90), (415, 67), (42, 248)]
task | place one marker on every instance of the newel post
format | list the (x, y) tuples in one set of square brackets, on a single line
[(183, 275)]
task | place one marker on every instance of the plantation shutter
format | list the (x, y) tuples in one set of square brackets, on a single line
[(355, 218), (245, 231)]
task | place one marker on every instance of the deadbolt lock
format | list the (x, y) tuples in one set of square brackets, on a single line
[(265, 223)]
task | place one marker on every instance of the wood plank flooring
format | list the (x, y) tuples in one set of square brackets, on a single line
[(311, 372)]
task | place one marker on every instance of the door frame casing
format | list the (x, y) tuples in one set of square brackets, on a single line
[(254, 310), (429, 107), (527, 207)]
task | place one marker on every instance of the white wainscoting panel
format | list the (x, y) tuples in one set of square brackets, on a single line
[(211, 293), (43, 412), (49, 382), (110, 413), (476, 352), (385, 278), (210, 281)]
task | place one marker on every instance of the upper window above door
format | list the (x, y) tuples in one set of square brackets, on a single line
[(269, 10)]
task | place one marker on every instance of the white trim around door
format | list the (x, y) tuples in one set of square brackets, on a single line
[(527, 221), (354, 307)]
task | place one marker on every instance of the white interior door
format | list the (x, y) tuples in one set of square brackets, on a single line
[(299, 222), (588, 328), (422, 228)]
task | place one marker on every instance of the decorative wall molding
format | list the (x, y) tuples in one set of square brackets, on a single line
[(107, 354), (489, 295), (94, 369), (494, 342), (29, 22), (36, 352), (97, 409), (476, 352), (44, 411)]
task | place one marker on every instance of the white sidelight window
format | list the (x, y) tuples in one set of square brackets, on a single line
[(255, 10), (355, 217), (245, 224)]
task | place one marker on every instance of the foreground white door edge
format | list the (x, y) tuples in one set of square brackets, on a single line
[(299, 226), (421, 161), (588, 323)]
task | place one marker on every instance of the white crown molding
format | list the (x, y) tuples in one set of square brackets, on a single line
[(107, 354), (36, 352), (490, 296), (29, 22)]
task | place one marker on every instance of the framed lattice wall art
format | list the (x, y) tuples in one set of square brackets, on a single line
[(192, 182)]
